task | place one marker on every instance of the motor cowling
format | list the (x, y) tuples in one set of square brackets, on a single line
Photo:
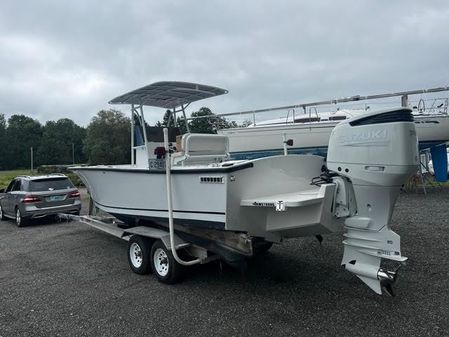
[(377, 152), (380, 148)]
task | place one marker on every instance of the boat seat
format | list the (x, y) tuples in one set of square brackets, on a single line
[(198, 148)]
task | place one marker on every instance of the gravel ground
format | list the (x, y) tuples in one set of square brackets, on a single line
[(70, 280)]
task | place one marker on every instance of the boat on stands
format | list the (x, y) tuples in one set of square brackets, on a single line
[(235, 208), (309, 131)]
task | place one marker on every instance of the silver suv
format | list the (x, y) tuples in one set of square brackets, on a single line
[(34, 197)]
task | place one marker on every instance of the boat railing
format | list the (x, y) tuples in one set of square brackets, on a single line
[(286, 118), (437, 106), (316, 117), (403, 95), (422, 106)]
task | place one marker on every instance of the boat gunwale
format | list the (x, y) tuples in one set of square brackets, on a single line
[(174, 170)]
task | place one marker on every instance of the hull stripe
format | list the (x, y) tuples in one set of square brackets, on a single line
[(160, 210)]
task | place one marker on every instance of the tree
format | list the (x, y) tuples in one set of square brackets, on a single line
[(58, 140), (182, 125), (208, 125), (165, 120), (200, 125), (245, 123), (168, 121), (22, 133), (108, 138)]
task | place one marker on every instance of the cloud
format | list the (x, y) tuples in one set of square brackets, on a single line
[(67, 59)]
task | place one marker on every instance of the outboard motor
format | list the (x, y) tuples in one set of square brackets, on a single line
[(377, 152)]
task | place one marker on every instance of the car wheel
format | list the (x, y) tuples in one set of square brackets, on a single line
[(2, 215), (164, 265), (139, 254), (20, 221)]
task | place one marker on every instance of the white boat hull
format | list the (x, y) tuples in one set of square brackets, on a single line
[(131, 193), (215, 197), (313, 138)]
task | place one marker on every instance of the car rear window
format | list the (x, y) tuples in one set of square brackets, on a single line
[(50, 184)]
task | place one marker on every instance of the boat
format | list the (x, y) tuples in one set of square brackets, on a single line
[(233, 207), (309, 132)]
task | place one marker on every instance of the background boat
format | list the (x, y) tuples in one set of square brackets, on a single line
[(309, 130)]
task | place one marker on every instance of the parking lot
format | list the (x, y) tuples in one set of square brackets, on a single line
[(67, 279)]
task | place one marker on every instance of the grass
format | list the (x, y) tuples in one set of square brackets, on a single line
[(7, 176)]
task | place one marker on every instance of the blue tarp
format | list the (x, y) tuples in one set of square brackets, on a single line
[(439, 160)]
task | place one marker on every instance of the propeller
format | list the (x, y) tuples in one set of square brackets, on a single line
[(387, 278)]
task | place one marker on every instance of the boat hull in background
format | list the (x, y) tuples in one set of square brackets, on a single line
[(313, 138)]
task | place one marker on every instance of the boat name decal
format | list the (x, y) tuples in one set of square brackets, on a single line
[(211, 180), (263, 204), (156, 164)]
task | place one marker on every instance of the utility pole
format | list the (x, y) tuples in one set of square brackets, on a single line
[(31, 151), (73, 153)]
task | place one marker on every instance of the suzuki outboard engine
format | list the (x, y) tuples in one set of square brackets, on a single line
[(377, 152)]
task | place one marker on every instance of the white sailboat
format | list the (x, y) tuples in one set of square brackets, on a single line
[(310, 135), (309, 132)]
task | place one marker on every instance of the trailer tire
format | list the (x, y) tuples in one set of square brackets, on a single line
[(265, 247), (166, 269), (261, 248), (139, 254)]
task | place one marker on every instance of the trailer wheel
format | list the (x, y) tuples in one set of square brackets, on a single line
[(261, 248), (265, 247), (139, 254), (164, 265)]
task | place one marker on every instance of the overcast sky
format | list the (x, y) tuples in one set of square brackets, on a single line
[(67, 59)]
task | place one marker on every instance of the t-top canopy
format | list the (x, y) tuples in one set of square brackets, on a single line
[(168, 95)]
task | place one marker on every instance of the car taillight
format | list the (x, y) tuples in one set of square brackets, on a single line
[(30, 198), (74, 194)]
